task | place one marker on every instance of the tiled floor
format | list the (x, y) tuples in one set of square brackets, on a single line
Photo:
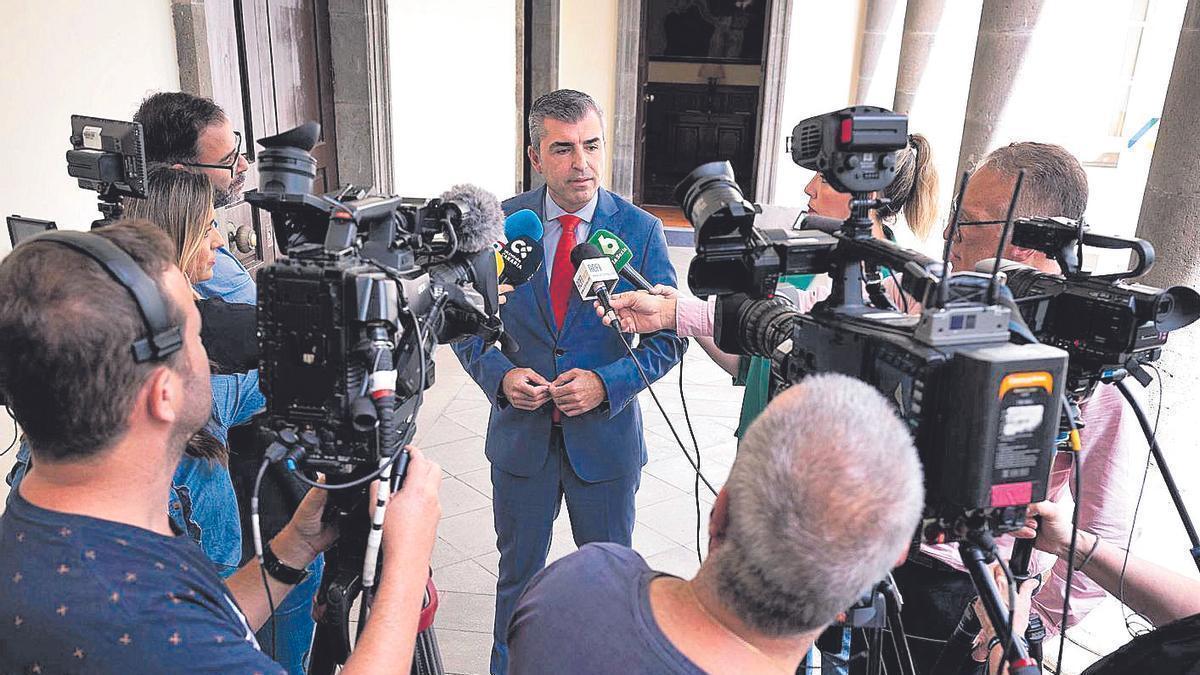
[(452, 424)]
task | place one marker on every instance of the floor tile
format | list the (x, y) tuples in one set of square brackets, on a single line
[(466, 611), (445, 554), (458, 456), (457, 497), (464, 652), (472, 532)]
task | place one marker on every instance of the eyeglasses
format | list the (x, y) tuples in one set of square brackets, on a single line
[(233, 163), (967, 223)]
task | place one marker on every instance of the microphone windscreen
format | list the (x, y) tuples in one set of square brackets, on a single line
[(821, 223), (482, 221), (583, 252), (523, 223)]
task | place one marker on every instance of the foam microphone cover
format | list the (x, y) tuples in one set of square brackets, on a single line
[(523, 223), (821, 223), (482, 221)]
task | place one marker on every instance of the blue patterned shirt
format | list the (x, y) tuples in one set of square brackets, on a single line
[(78, 594)]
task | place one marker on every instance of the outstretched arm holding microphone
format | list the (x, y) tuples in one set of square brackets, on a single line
[(663, 308)]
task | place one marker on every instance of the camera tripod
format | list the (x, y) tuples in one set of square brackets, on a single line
[(976, 552)]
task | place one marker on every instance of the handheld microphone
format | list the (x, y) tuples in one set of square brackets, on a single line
[(595, 277), (618, 252), (523, 255)]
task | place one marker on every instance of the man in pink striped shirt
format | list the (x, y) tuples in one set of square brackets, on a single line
[(936, 589)]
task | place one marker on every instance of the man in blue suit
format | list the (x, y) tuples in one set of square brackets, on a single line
[(565, 419)]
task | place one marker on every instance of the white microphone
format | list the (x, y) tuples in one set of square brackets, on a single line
[(595, 278)]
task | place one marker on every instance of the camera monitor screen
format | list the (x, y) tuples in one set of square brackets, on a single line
[(20, 229), (107, 155)]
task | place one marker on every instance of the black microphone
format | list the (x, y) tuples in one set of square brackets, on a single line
[(595, 277)]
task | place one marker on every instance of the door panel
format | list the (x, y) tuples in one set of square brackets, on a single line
[(688, 125), (271, 71)]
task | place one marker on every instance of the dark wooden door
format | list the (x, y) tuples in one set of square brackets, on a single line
[(271, 71), (688, 125)]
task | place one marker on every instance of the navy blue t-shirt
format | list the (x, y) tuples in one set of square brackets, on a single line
[(78, 594), (590, 613)]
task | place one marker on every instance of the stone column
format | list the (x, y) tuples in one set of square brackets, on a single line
[(874, 34), (362, 108), (1005, 29), (921, 20), (1170, 219), (624, 117)]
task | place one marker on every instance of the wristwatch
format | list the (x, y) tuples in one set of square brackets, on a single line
[(279, 571)]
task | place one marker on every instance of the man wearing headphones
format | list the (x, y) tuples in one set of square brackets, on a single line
[(101, 359)]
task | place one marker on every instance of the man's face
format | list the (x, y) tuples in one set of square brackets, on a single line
[(193, 364), (217, 144), (987, 198), (570, 159)]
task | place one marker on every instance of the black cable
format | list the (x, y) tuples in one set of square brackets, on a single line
[(1012, 605), (408, 423), (664, 412), (696, 445), (1062, 625), (262, 570), (1127, 613), (17, 430)]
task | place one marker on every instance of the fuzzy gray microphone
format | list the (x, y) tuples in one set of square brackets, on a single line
[(482, 222)]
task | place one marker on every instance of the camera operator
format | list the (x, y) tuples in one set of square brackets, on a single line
[(935, 587), (95, 577), (830, 445), (1159, 594)]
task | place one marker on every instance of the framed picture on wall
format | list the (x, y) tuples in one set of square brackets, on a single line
[(725, 31)]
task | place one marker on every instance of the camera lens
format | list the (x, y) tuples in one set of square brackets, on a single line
[(711, 190)]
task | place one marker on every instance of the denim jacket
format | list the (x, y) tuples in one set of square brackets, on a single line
[(203, 502), (230, 281)]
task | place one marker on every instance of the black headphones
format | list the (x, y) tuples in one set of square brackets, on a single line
[(162, 337)]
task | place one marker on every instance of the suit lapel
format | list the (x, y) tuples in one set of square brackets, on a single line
[(541, 282), (601, 220)]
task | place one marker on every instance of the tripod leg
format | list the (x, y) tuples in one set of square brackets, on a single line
[(899, 637), (976, 563)]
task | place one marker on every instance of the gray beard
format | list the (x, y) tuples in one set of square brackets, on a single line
[(223, 198)]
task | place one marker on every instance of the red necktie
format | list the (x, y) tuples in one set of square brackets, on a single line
[(563, 272), (561, 279)]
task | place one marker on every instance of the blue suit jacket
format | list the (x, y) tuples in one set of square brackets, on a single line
[(606, 442)]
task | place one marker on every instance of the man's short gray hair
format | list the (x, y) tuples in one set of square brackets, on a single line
[(1055, 182), (824, 494), (564, 105)]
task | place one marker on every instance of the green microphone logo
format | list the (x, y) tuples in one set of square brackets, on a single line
[(612, 247)]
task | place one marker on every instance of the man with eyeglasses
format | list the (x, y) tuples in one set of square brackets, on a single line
[(935, 588), (193, 132)]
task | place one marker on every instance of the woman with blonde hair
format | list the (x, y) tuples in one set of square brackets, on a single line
[(181, 203)]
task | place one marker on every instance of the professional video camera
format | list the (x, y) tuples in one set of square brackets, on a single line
[(1110, 328), (983, 411), (347, 326)]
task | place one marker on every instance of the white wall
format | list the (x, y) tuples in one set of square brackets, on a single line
[(820, 73), (454, 84), (62, 57), (587, 58)]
